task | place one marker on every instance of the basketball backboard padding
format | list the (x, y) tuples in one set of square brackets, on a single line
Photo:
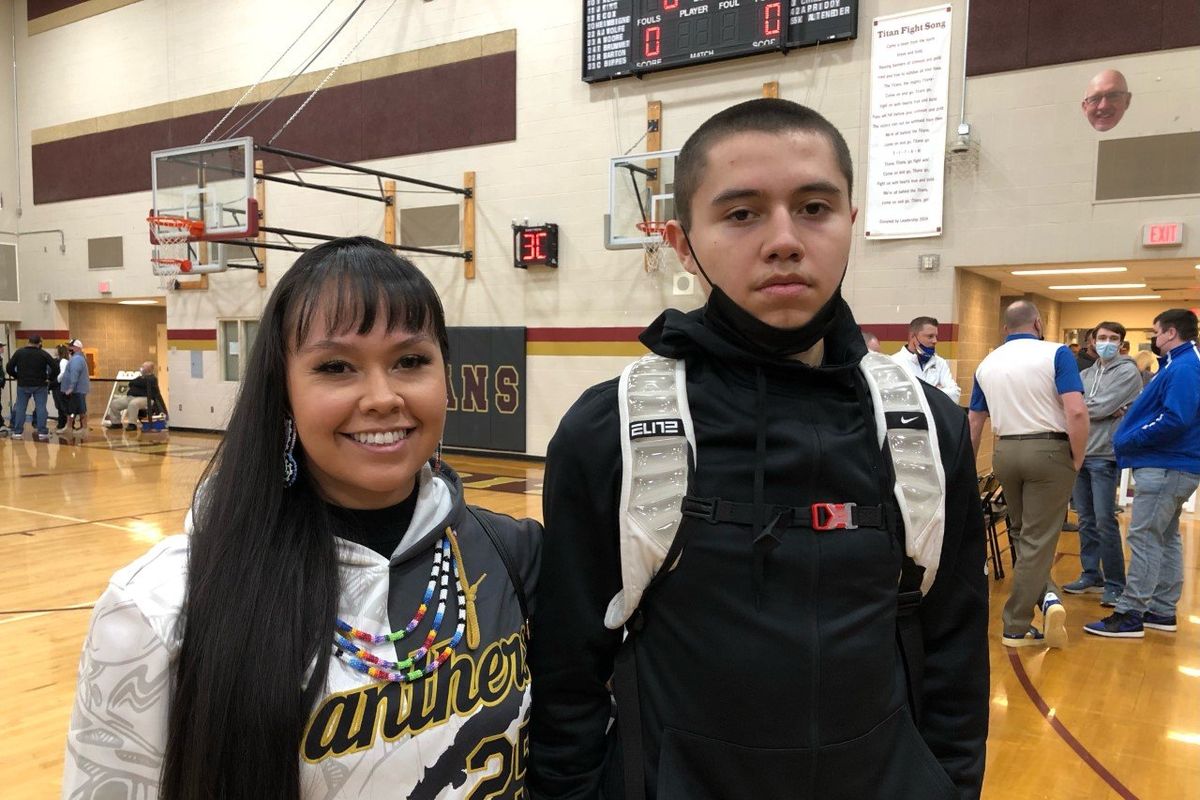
[(641, 188), (211, 182)]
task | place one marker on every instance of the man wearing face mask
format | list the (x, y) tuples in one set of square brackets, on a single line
[(1109, 387), (1087, 355), (1032, 392), (920, 357), (1159, 439), (762, 659)]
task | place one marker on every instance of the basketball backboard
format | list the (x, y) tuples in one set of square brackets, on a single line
[(641, 188), (212, 183)]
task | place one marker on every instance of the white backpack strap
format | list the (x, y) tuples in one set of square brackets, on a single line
[(904, 420), (656, 431)]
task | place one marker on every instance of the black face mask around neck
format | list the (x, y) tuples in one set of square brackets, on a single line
[(753, 335)]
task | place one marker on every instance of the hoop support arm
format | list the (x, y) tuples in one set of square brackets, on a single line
[(466, 255), (319, 187), (279, 151)]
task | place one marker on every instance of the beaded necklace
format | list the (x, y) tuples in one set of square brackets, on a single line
[(446, 560)]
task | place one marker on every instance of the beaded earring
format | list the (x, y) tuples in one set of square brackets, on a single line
[(437, 456), (290, 468)]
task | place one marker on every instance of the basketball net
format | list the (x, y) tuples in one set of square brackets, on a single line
[(655, 255), (169, 236)]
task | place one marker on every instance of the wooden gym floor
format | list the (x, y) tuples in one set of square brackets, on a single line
[(1099, 719)]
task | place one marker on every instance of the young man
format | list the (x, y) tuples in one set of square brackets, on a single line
[(1159, 438), (762, 660), (1031, 390), (1108, 388), (920, 357)]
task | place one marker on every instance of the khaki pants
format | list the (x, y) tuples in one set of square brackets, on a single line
[(130, 414), (1037, 476)]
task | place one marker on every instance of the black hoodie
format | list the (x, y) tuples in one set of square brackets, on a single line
[(784, 685)]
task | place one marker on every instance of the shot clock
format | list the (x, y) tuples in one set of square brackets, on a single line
[(635, 37), (535, 245)]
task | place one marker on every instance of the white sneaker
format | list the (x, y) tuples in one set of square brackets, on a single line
[(1054, 621)]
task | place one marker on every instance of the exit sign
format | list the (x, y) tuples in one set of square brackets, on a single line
[(1162, 234)]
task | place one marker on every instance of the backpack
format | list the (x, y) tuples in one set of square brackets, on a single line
[(659, 456)]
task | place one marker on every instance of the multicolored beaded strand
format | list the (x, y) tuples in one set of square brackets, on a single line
[(445, 564), (441, 557)]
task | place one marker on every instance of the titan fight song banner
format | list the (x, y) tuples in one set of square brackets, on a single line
[(910, 69)]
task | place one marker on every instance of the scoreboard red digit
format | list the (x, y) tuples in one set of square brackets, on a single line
[(535, 245), (636, 37)]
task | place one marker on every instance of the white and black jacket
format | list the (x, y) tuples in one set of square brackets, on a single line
[(460, 733)]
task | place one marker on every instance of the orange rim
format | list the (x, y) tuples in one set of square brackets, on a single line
[(194, 227), (652, 228)]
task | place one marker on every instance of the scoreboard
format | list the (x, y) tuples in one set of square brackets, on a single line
[(634, 37)]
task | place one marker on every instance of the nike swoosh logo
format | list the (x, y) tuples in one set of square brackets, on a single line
[(906, 420)]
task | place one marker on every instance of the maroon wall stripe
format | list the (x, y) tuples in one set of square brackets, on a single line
[(888, 332), (41, 8), (898, 331), (582, 334), (25, 333), (466, 103), (1063, 732), (192, 333)]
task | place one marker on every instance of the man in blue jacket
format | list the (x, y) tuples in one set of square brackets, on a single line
[(75, 386), (1160, 441)]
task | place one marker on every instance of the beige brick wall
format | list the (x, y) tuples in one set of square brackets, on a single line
[(122, 336), (977, 306)]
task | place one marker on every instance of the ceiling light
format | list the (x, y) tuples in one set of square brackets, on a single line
[(142, 302), (1079, 271), (1085, 286), (1119, 297)]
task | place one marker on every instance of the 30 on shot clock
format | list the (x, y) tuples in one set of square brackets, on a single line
[(535, 245)]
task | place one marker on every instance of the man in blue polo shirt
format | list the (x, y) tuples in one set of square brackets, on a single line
[(1032, 391), (1160, 440)]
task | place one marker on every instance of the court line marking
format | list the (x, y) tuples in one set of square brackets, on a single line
[(36, 531), (34, 614), (75, 520), (1064, 733)]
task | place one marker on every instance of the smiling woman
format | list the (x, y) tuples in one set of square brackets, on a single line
[(326, 530)]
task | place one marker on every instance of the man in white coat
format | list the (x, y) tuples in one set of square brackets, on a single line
[(920, 357)]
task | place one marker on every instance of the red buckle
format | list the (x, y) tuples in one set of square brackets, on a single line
[(831, 516)]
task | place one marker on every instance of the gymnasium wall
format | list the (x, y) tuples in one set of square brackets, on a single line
[(1029, 199), (8, 163)]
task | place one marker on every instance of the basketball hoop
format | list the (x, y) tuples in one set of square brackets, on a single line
[(170, 236), (655, 253)]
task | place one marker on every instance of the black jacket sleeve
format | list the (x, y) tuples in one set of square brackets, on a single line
[(51, 367), (156, 398), (571, 651), (954, 617)]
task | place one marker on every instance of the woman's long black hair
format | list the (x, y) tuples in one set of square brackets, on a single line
[(262, 584)]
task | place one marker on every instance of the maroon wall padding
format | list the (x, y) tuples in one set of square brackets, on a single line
[(40, 8), (1181, 23), (997, 38), (462, 104), (1017, 34), (1078, 30)]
